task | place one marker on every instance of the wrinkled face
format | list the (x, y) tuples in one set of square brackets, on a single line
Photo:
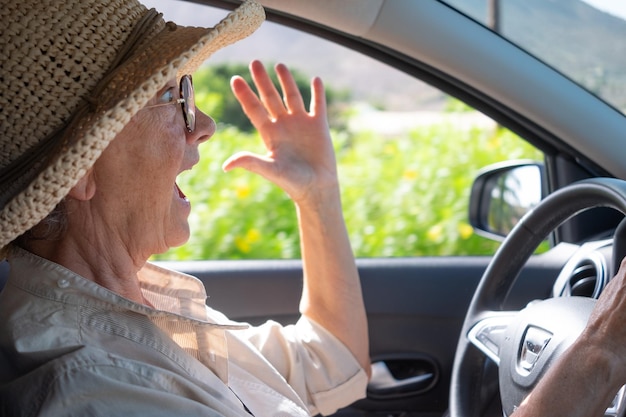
[(136, 190)]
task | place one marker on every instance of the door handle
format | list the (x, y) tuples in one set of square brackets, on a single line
[(401, 377)]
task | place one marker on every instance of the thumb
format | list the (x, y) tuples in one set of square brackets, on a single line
[(261, 165)]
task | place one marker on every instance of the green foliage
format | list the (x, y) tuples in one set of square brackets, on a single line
[(214, 97), (409, 196), (454, 105), (402, 196)]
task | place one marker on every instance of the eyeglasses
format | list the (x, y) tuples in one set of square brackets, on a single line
[(187, 103)]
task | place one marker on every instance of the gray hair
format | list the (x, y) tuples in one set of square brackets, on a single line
[(52, 228)]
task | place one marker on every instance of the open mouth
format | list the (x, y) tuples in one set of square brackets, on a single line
[(180, 193)]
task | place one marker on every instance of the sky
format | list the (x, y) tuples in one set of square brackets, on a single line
[(615, 7)]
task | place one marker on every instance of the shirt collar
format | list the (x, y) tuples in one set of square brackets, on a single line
[(173, 294)]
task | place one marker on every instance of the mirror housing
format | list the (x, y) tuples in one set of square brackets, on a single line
[(502, 193)]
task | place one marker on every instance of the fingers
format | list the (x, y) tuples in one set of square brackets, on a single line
[(267, 92), (273, 105), (299, 155), (250, 104), (318, 97), (291, 93)]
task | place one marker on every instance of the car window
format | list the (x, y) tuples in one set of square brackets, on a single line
[(556, 32), (407, 154)]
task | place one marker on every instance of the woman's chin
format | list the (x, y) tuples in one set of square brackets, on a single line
[(177, 235), (180, 238)]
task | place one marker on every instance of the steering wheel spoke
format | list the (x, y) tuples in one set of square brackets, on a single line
[(487, 334), (617, 406)]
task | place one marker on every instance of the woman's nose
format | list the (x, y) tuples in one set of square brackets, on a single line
[(205, 128)]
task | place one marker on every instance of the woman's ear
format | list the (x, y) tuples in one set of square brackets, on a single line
[(85, 188)]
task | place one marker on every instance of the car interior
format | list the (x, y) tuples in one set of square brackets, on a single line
[(463, 334)]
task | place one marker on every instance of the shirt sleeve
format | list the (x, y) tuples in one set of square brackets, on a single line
[(320, 368)]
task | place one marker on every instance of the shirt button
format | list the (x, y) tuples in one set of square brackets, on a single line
[(63, 283)]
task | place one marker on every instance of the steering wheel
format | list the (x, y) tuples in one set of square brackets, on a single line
[(523, 344)]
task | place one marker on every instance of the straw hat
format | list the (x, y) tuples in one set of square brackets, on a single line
[(73, 74)]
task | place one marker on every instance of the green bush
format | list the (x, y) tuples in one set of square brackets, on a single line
[(402, 197), (412, 198)]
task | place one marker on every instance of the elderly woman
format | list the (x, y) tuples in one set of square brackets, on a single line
[(98, 119)]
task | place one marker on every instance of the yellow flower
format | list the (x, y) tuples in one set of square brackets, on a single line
[(465, 230), (241, 244), (244, 243), (242, 191), (389, 149), (494, 142), (409, 174), (253, 235), (434, 233)]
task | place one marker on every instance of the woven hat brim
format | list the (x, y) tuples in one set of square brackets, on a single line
[(171, 53)]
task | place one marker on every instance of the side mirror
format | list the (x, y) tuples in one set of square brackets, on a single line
[(502, 194)]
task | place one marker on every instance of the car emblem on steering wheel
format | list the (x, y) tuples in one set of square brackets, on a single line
[(535, 342)]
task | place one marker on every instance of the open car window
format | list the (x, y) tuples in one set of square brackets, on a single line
[(407, 155)]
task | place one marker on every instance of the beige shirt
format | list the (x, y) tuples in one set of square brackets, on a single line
[(73, 348)]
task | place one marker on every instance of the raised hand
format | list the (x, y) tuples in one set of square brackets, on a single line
[(300, 157)]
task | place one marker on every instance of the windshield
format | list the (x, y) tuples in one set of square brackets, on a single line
[(583, 39)]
